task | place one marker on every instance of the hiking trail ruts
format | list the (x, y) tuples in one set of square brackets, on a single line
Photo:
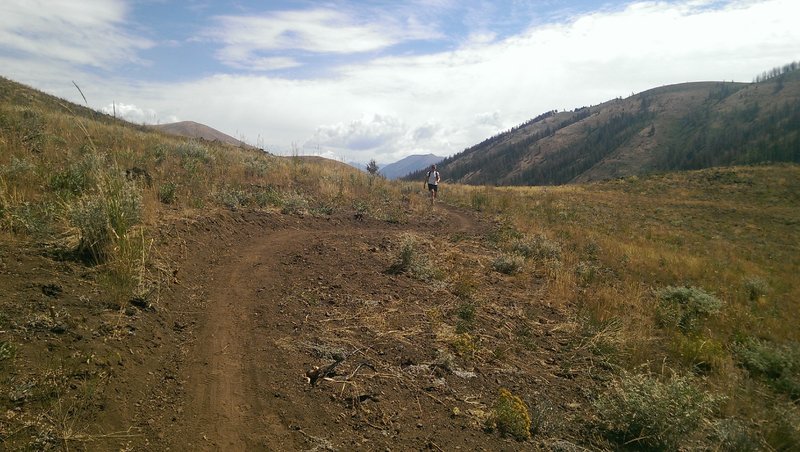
[(226, 404), (274, 297), (235, 366)]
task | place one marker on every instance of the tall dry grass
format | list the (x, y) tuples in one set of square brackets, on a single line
[(731, 232), (96, 187)]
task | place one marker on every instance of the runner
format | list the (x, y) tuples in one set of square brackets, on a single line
[(432, 180)]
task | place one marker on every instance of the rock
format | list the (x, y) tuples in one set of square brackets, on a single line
[(465, 374), (52, 290), (142, 304)]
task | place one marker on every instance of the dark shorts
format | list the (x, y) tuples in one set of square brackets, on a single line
[(434, 187)]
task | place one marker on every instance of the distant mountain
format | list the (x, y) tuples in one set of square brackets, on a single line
[(191, 129), (677, 127), (408, 165), (361, 166)]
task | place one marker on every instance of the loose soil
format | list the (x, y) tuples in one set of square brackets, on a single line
[(222, 355)]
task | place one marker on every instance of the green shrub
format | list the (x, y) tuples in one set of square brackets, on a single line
[(510, 416), (268, 197), (479, 201), (406, 257), (7, 351), (106, 216), (465, 344), (256, 167), (686, 307), (537, 246), (167, 192), (704, 355), (360, 207), (32, 130), (783, 427), (734, 435), (507, 264), (586, 272), (232, 198), (160, 153), (466, 317), (323, 209), (17, 169), (648, 413), (77, 177), (194, 150), (779, 365), (464, 286), (504, 232), (37, 219), (294, 203), (409, 261), (194, 158), (394, 214), (755, 287)]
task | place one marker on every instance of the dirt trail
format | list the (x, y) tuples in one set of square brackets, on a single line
[(277, 298), (225, 374)]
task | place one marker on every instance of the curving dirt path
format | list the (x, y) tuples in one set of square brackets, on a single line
[(236, 366), (270, 298)]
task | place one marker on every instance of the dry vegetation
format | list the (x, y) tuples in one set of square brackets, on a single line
[(675, 276), (83, 194), (678, 294)]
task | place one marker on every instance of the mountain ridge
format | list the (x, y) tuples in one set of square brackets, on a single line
[(408, 165), (192, 129), (675, 127)]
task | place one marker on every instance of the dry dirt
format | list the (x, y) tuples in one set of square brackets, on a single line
[(217, 359)]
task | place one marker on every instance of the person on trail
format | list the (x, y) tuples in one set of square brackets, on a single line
[(432, 179)]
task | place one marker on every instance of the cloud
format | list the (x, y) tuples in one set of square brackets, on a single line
[(369, 133), (137, 115), (489, 118), (236, 59), (316, 31), (89, 33), (386, 107)]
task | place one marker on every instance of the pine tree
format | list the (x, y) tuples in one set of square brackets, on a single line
[(372, 167)]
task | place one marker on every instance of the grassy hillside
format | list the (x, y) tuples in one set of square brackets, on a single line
[(678, 127), (60, 159), (679, 275)]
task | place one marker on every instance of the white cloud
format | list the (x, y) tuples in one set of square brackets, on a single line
[(369, 133), (489, 118), (238, 60), (137, 115), (246, 38), (81, 33)]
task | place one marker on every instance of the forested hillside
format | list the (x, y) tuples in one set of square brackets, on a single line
[(677, 127)]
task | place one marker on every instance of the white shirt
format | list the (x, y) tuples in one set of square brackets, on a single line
[(432, 176)]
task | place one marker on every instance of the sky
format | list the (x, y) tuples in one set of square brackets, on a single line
[(380, 79)]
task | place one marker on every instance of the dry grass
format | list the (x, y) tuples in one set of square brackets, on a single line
[(731, 232), (97, 190)]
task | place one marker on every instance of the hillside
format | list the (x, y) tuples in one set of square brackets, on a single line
[(677, 127), (408, 165), (191, 129), (164, 293)]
